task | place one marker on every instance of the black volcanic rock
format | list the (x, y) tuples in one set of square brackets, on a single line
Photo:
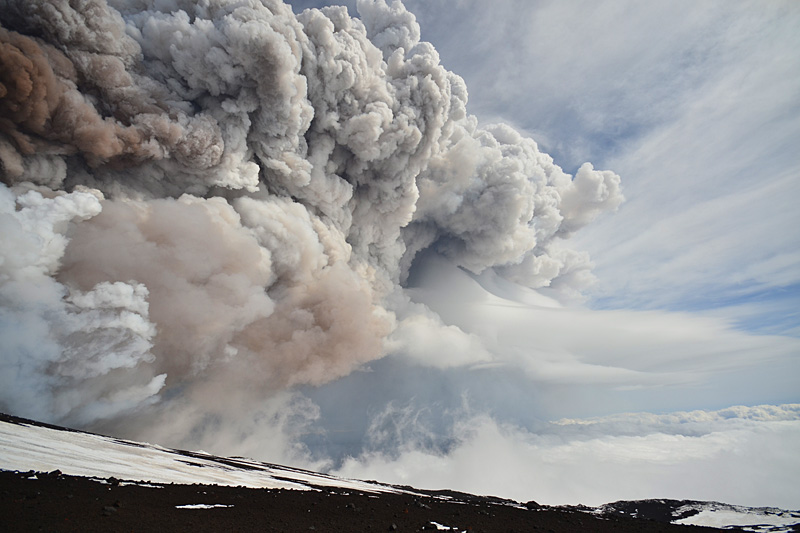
[(69, 503)]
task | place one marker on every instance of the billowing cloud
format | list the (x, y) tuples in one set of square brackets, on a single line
[(494, 199), (227, 196), (46, 110), (67, 350)]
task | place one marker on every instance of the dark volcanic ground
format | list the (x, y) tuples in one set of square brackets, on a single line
[(58, 503)]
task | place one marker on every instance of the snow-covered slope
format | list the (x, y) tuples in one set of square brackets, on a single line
[(27, 445), (711, 514), (745, 518)]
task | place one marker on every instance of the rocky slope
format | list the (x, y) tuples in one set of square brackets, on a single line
[(55, 479)]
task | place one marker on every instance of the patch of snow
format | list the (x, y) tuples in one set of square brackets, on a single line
[(201, 506), (442, 527), (729, 516), (138, 484)]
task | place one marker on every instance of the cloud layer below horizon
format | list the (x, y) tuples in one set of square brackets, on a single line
[(742, 454)]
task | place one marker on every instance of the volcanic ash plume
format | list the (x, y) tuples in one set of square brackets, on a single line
[(215, 196)]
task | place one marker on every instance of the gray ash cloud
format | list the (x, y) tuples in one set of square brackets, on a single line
[(205, 204)]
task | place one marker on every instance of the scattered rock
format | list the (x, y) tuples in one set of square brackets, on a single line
[(109, 510), (44, 504)]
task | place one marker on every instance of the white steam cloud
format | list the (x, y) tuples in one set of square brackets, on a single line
[(204, 204)]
